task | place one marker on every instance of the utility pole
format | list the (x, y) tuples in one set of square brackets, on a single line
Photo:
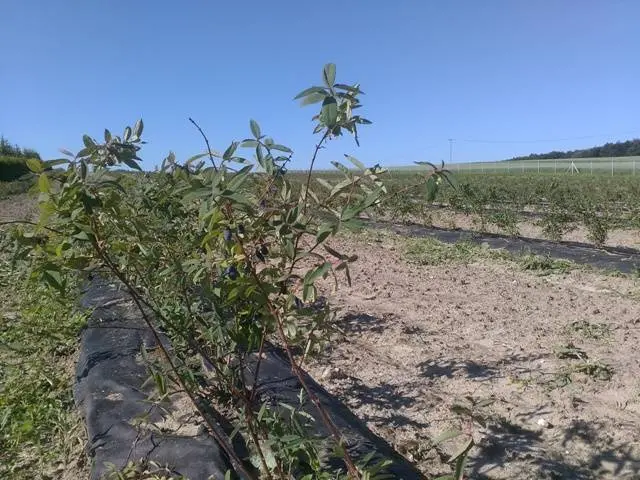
[(451, 150)]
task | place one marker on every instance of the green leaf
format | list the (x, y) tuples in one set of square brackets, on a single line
[(53, 278), (192, 159), (239, 178), (195, 194), (83, 169), (329, 74), (463, 450), (426, 163), (64, 151), (127, 134), (249, 143), (324, 183), (131, 163), (311, 90), (88, 142), (325, 231), (308, 293), (43, 183), (83, 153), (228, 153), (348, 88), (137, 129), (107, 135), (432, 189), (447, 435), (329, 112), (355, 161), (255, 129), (313, 275), (34, 165), (341, 167), (55, 161), (335, 253), (280, 148), (341, 187), (313, 98)]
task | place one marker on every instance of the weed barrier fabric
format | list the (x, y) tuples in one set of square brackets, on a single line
[(625, 260), (277, 385), (110, 394)]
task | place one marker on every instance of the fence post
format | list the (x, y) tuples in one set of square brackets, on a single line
[(591, 165)]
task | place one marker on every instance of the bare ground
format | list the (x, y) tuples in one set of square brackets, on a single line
[(421, 338)]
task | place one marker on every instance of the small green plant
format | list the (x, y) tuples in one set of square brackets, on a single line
[(556, 224), (594, 331), (506, 220), (598, 227), (543, 265), (570, 351), (141, 470), (428, 251), (470, 411), (595, 369)]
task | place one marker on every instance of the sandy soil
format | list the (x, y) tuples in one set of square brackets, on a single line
[(18, 207), (421, 338)]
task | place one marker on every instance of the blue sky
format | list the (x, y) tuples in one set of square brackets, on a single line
[(501, 77)]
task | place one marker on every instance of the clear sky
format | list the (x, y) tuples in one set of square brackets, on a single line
[(501, 77)]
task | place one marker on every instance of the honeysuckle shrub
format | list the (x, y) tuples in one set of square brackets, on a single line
[(222, 252)]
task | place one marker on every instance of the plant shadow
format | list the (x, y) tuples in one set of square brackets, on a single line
[(360, 323), (505, 442), (450, 368), (385, 397)]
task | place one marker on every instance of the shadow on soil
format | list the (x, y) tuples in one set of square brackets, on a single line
[(504, 442), (507, 442), (450, 368), (360, 323)]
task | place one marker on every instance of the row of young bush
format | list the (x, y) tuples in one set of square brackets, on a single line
[(557, 204)]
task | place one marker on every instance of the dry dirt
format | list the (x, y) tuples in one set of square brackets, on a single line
[(421, 338), (18, 207)]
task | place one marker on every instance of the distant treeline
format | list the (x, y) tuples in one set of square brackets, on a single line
[(8, 150), (13, 160), (630, 148)]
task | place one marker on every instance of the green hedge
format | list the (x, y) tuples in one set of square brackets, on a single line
[(12, 168)]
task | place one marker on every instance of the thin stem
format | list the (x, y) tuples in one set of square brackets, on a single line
[(313, 161), (353, 471), (27, 222), (333, 429), (236, 462), (206, 140)]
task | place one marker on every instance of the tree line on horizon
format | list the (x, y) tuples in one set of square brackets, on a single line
[(629, 148), (13, 160)]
